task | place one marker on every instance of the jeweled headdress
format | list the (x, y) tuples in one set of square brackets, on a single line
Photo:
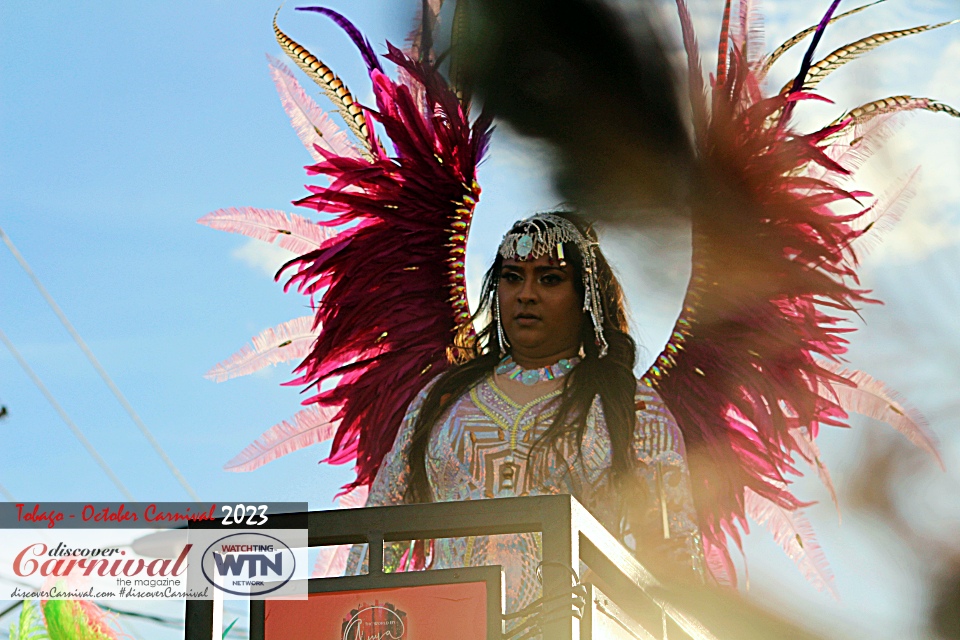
[(753, 366), (545, 233)]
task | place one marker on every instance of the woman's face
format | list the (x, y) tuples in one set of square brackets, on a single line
[(541, 309)]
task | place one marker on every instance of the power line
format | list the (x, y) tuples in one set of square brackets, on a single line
[(11, 608), (63, 416), (100, 370)]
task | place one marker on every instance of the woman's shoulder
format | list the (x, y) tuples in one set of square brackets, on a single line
[(420, 398), (647, 397), (656, 431)]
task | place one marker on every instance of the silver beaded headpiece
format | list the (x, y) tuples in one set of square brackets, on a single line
[(541, 234)]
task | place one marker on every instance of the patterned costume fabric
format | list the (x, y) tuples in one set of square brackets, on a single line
[(755, 364), (473, 443)]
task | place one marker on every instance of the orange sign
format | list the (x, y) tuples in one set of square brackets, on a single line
[(428, 612)]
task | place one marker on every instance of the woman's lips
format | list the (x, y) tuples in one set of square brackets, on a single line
[(526, 319)]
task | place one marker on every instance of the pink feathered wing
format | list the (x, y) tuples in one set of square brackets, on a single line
[(751, 369), (389, 288), (385, 275)]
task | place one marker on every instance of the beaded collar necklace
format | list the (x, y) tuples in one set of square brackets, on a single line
[(514, 371)]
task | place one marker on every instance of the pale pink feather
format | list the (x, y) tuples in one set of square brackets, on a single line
[(872, 398), (313, 126), (717, 564), (331, 562), (751, 31), (313, 425), (884, 215), (285, 342), (853, 145), (793, 533), (354, 499), (288, 230), (810, 453)]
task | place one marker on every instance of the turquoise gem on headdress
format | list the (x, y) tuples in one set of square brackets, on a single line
[(524, 246), (530, 377)]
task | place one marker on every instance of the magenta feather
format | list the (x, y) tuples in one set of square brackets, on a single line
[(285, 342), (771, 292), (314, 127), (288, 230), (393, 282), (310, 426)]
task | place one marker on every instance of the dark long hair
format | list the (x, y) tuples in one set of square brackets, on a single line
[(611, 378)]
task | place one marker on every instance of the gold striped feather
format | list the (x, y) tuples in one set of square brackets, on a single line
[(884, 106), (457, 79), (332, 86), (845, 54), (800, 37)]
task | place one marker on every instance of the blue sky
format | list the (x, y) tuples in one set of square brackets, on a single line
[(122, 123)]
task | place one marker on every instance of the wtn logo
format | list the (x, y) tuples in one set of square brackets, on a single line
[(249, 564), (258, 564)]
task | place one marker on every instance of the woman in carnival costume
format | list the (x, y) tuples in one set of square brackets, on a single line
[(543, 398), (548, 403)]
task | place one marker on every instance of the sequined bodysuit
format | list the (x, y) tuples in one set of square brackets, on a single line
[(480, 450)]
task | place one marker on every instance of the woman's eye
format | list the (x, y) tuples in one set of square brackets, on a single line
[(510, 276), (551, 278)]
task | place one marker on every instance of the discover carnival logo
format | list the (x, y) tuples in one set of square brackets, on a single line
[(87, 573), (248, 564), (375, 622), (63, 561)]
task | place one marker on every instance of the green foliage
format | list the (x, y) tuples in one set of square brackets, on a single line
[(229, 626), (67, 620), (62, 620), (30, 624)]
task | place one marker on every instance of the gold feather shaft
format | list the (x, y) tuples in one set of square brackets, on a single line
[(845, 54), (457, 79), (331, 85), (870, 110), (800, 37)]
